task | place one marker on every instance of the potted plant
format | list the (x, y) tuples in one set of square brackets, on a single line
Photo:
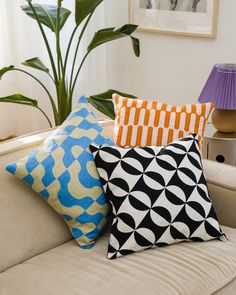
[(54, 17)]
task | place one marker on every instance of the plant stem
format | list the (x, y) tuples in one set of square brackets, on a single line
[(77, 47), (54, 108), (45, 115), (45, 41), (59, 55), (77, 74), (68, 48), (51, 77)]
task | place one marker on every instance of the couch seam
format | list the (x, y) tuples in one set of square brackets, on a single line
[(225, 284)]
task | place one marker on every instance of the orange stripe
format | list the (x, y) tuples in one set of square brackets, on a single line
[(181, 134), (183, 109), (117, 99), (154, 105), (159, 136), (121, 104), (146, 118), (134, 103), (196, 125), (149, 136), (187, 122), (139, 136), (119, 135), (177, 120), (194, 109), (144, 104), (163, 107), (167, 120), (129, 136), (127, 115), (170, 135), (203, 107), (137, 116), (157, 119)]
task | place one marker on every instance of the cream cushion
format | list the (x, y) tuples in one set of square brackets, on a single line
[(187, 268), (28, 225), (30, 228)]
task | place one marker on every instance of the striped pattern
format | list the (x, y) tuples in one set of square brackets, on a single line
[(151, 123)]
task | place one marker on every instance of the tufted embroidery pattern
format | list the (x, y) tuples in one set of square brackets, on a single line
[(152, 123), (63, 172)]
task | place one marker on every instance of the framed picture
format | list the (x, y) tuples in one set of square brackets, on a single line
[(179, 17)]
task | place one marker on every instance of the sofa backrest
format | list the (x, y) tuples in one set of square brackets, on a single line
[(28, 225)]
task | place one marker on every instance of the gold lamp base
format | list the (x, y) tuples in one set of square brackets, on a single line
[(224, 120)]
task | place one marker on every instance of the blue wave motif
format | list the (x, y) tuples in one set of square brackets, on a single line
[(29, 179), (85, 218), (84, 176), (32, 163), (59, 157), (93, 234), (44, 193), (67, 199), (48, 164), (12, 168)]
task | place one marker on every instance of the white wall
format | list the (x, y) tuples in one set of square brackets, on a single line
[(21, 40), (171, 68)]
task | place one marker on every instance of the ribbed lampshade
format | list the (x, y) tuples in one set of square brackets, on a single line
[(220, 87)]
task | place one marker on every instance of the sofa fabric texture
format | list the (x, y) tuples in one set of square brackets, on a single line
[(63, 172), (181, 269), (49, 263), (158, 196), (146, 123)]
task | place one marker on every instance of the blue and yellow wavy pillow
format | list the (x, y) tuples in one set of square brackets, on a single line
[(63, 172)]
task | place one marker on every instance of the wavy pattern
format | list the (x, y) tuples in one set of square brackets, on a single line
[(63, 172)]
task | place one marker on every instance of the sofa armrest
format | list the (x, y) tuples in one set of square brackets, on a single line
[(221, 181)]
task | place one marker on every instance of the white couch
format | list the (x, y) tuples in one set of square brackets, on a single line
[(39, 257)]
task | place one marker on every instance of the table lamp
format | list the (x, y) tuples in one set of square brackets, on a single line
[(220, 89)]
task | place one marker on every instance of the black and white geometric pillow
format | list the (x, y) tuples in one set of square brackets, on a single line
[(158, 196)]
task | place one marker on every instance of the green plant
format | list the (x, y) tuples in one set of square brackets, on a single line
[(54, 17)]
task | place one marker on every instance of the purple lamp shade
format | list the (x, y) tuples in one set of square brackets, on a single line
[(220, 87)]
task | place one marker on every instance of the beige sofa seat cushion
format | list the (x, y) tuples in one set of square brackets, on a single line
[(28, 226), (229, 289), (187, 268)]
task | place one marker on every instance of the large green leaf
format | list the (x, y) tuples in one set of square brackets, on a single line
[(36, 63), (83, 8), (4, 70), (64, 105), (19, 99), (110, 34), (47, 15), (136, 46), (104, 106), (103, 102), (108, 94), (23, 100), (128, 29)]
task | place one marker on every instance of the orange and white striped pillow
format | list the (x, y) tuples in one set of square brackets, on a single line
[(151, 123)]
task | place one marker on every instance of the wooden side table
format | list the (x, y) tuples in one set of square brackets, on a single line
[(220, 147)]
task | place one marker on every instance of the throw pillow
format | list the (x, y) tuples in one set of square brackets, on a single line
[(146, 123), (158, 196), (63, 172)]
